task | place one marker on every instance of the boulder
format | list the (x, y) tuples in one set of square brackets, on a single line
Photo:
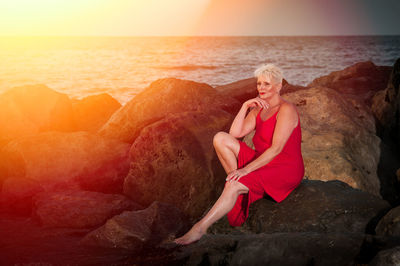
[(273, 249), (78, 209), (361, 80), (389, 225), (386, 106), (338, 138), (314, 206), (387, 257), (58, 159), (163, 97), (30, 109), (173, 161), (134, 230), (92, 112)]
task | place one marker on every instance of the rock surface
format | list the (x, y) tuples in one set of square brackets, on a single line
[(361, 80), (314, 206), (134, 230), (92, 112), (161, 98), (174, 161), (389, 225), (27, 110), (49, 159), (79, 209), (273, 249), (339, 141), (386, 107), (388, 257)]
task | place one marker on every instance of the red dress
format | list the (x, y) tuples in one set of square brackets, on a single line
[(277, 178)]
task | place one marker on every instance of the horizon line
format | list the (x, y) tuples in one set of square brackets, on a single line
[(191, 36)]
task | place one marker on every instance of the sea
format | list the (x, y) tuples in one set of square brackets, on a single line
[(124, 66)]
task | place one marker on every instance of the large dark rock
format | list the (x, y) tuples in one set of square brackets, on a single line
[(388, 257), (74, 160), (92, 112), (273, 249), (361, 80), (78, 209), (338, 138), (135, 230), (174, 161), (389, 225), (161, 98), (386, 107), (314, 206)]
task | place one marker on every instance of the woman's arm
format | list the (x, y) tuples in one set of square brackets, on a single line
[(241, 125), (286, 122)]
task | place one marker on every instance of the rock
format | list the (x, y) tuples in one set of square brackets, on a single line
[(387, 257), (92, 112), (389, 225), (78, 209), (338, 138), (58, 159), (30, 109), (314, 206), (163, 97), (361, 80), (273, 249), (174, 161), (386, 106), (134, 230)]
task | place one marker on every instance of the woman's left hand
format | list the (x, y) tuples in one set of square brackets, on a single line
[(235, 175)]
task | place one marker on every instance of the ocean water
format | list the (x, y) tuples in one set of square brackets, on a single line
[(124, 66)]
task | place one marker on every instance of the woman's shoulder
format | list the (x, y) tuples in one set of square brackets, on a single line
[(288, 108)]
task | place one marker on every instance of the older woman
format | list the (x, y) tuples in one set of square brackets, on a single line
[(274, 168)]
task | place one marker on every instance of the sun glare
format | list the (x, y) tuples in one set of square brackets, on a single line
[(99, 17)]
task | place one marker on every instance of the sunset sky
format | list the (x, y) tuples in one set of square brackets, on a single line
[(198, 17)]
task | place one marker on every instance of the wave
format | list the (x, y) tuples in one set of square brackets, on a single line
[(186, 67)]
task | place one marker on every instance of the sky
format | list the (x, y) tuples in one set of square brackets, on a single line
[(198, 17)]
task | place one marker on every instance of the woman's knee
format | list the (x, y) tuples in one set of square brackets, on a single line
[(219, 138)]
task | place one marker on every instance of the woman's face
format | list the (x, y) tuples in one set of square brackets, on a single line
[(267, 88)]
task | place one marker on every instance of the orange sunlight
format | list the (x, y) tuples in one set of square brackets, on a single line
[(99, 17)]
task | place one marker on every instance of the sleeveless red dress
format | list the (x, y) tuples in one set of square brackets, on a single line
[(278, 178)]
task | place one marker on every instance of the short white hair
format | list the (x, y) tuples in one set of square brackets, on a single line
[(271, 71)]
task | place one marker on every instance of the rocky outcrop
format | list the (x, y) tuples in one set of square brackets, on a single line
[(134, 230), (389, 225), (386, 107), (173, 161), (339, 141), (387, 257), (361, 80), (273, 249), (78, 209), (31, 109), (52, 159), (161, 98), (314, 206), (92, 112)]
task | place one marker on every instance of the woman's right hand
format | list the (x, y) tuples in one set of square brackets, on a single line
[(256, 102)]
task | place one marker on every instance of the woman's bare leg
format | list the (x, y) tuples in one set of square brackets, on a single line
[(221, 207), (227, 148)]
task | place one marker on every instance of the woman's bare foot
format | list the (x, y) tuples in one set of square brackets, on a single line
[(193, 235)]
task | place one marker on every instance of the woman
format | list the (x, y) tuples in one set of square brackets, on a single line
[(275, 167)]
